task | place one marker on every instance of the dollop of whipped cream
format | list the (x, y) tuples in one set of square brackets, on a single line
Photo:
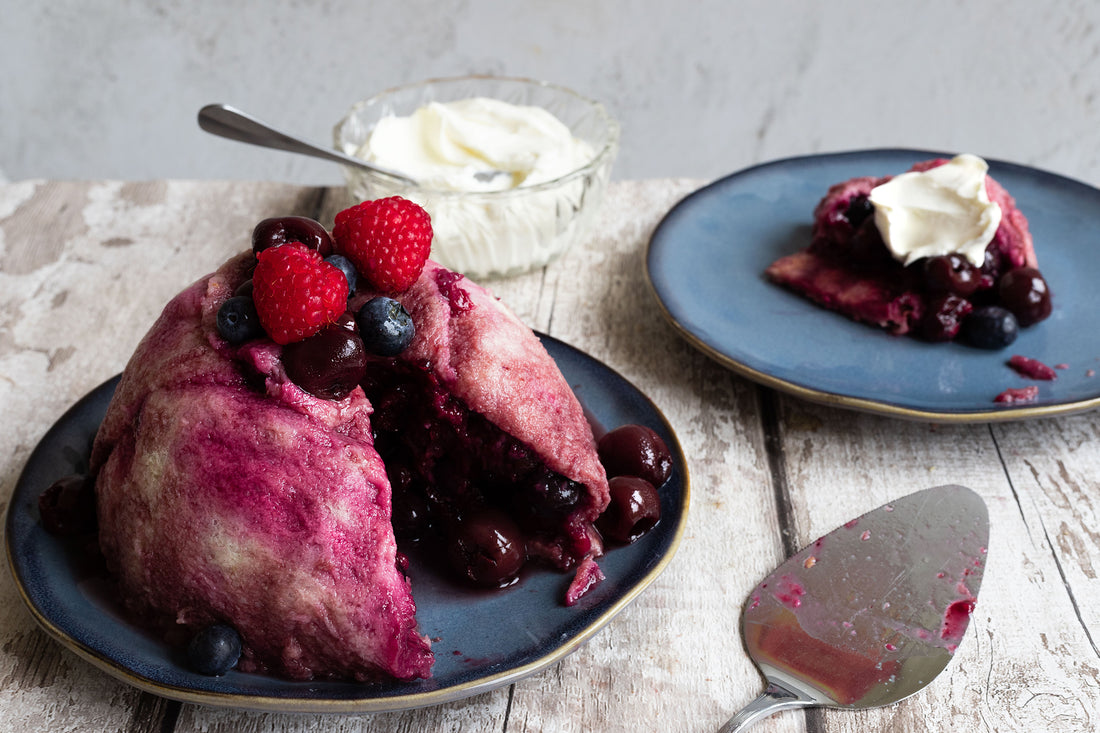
[(446, 145), (940, 211)]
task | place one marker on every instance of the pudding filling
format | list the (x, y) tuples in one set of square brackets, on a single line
[(446, 462)]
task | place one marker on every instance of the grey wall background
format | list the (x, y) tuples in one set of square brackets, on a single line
[(110, 89)]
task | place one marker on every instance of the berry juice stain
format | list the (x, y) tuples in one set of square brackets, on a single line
[(955, 620), (790, 593)]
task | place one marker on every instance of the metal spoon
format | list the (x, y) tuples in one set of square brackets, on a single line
[(871, 612), (230, 122)]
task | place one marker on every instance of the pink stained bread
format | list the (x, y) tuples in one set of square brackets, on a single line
[(847, 269), (228, 494)]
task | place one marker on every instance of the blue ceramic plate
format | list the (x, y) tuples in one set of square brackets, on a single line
[(706, 260), (482, 640)]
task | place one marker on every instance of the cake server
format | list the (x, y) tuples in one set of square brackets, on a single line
[(871, 612)]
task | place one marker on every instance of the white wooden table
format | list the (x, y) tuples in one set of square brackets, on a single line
[(86, 266)]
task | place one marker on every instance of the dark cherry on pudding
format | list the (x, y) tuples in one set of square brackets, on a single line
[(328, 364)]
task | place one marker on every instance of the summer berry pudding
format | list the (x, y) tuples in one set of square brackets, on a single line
[(940, 252), (280, 429)]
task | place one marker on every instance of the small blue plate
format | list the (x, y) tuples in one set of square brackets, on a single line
[(706, 260), (482, 639)]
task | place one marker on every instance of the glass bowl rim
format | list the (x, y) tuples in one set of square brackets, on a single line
[(602, 156)]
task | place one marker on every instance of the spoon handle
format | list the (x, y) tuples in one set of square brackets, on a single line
[(772, 700), (229, 122)]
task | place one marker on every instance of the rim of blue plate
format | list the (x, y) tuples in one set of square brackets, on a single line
[(834, 398)]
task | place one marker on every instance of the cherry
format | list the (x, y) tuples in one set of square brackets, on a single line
[(244, 289), (635, 450), (67, 507), (285, 229), (487, 548), (951, 273), (1024, 292), (943, 318), (634, 509), (328, 364), (346, 320)]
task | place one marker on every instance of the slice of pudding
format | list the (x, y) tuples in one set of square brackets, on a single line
[(919, 266), (228, 494)]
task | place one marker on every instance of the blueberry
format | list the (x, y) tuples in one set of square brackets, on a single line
[(548, 500), (385, 326), (858, 210), (237, 320), (344, 265), (214, 650), (989, 327)]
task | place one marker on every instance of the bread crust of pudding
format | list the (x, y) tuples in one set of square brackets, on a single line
[(227, 494), (847, 269)]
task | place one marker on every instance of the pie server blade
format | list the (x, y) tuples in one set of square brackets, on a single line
[(871, 612)]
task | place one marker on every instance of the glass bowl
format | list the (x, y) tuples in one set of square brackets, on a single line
[(494, 233)]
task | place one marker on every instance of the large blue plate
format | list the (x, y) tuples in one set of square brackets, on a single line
[(482, 640), (706, 260)]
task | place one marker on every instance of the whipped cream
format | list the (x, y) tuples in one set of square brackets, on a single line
[(489, 225), (944, 210), (444, 146)]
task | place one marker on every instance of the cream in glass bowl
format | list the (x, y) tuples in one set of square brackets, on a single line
[(512, 171)]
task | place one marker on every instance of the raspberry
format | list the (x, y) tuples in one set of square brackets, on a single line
[(296, 292), (388, 241)]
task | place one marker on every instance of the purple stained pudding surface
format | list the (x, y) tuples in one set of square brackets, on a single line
[(847, 268), (227, 494)]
